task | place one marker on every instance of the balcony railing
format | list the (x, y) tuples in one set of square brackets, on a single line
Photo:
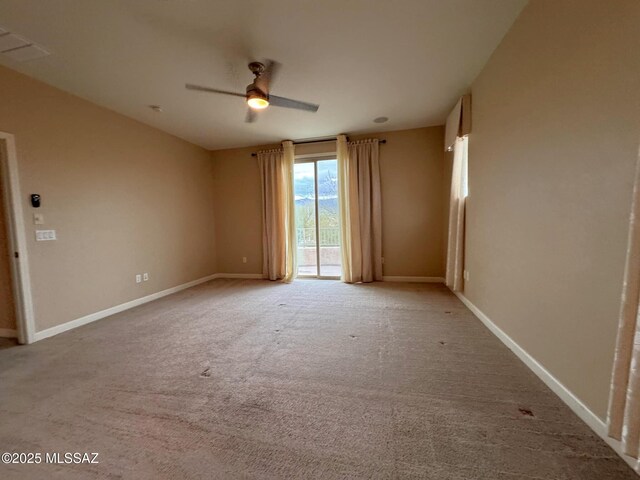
[(329, 237)]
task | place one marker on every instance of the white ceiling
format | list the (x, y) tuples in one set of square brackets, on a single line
[(359, 59)]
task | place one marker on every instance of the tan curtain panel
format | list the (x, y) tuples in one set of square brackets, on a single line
[(623, 416), (349, 219), (458, 122), (276, 174), (457, 199), (360, 210), (290, 223)]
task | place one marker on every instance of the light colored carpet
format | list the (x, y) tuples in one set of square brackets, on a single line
[(318, 379)]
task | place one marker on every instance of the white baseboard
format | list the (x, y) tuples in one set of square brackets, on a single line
[(240, 275), (49, 332), (413, 279), (574, 403), (8, 333)]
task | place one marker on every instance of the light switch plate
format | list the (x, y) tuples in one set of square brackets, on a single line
[(45, 235), (38, 219)]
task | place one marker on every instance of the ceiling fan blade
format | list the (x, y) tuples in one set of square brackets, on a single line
[(290, 103), (251, 115), (199, 88)]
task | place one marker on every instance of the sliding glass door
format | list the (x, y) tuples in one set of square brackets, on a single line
[(317, 217)]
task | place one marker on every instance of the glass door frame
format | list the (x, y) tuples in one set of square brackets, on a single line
[(315, 158)]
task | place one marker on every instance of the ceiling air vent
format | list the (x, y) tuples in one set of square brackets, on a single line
[(19, 49)]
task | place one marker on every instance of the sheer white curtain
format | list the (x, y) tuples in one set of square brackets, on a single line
[(623, 416), (278, 216), (360, 210), (457, 199)]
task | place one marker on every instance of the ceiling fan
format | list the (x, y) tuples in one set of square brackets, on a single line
[(258, 96)]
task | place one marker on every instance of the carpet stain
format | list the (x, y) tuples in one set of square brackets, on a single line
[(206, 372), (526, 412)]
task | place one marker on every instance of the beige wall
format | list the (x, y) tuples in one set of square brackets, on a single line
[(237, 198), (7, 308), (556, 124), (412, 167), (124, 198)]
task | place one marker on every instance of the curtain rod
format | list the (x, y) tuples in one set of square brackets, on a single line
[(303, 142)]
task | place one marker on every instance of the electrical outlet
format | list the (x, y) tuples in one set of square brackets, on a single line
[(38, 219), (138, 278), (244, 259), (145, 276)]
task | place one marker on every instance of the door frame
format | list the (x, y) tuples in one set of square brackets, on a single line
[(12, 199), (315, 158)]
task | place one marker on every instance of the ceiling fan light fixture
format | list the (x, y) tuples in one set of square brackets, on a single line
[(257, 93), (258, 103)]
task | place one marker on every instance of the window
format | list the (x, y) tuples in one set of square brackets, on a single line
[(317, 217)]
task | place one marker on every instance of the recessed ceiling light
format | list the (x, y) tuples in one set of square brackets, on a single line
[(156, 108), (380, 119)]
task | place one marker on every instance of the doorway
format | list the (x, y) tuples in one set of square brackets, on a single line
[(8, 320), (317, 218), (16, 315)]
